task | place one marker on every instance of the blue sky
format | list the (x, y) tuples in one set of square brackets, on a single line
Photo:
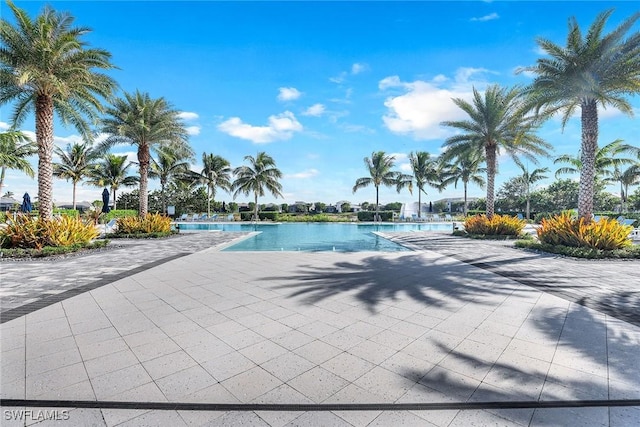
[(320, 86)]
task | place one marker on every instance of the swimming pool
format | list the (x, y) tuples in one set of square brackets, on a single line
[(339, 237)]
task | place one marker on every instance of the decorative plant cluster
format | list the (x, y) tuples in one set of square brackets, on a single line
[(36, 233), (606, 234), (498, 225), (148, 224)]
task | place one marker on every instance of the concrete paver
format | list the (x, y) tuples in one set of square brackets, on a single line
[(434, 325)]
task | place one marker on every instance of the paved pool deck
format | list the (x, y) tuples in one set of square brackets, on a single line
[(454, 321)]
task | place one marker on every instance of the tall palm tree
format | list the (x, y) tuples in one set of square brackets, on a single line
[(496, 121), (76, 164), (528, 178), (426, 171), (15, 147), (216, 173), (594, 69), (173, 160), (139, 120), (46, 66), (260, 174), (112, 172), (606, 159), (380, 173), (464, 167)]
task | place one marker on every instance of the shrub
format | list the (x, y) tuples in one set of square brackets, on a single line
[(36, 233), (118, 213), (150, 223), (632, 252), (606, 234), (498, 225), (367, 216)]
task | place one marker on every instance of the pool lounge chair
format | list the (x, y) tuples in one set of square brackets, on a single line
[(635, 234), (230, 217), (184, 217), (436, 217), (448, 217)]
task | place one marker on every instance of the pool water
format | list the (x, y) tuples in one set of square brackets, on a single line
[(338, 237)]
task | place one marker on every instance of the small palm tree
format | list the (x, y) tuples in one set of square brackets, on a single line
[(216, 173), (139, 120), (426, 171), (466, 168), (46, 66), (112, 172), (594, 69), (528, 179), (15, 147), (497, 120), (626, 178), (76, 164), (260, 174), (379, 166), (606, 159), (173, 161)]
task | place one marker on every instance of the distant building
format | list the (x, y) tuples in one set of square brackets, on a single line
[(80, 206), (456, 203), (8, 203), (354, 207)]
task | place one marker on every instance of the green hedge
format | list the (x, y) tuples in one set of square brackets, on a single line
[(118, 213), (367, 216)]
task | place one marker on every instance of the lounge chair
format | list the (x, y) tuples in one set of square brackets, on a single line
[(230, 217), (635, 234), (626, 221), (203, 217), (213, 217), (184, 217), (520, 216), (435, 217), (448, 217)]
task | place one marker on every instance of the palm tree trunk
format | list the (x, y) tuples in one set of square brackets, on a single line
[(208, 201), (74, 195), (164, 196), (143, 159), (588, 158), (255, 214), (465, 200), (377, 205), (44, 137), (491, 178), (114, 198), (528, 203), (419, 203), (2, 173)]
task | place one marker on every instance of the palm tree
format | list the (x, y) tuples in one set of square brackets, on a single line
[(466, 168), (496, 121), (425, 172), (15, 147), (626, 178), (528, 179), (215, 174), (173, 160), (139, 120), (379, 166), (593, 69), (605, 159), (46, 66), (76, 163), (112, 172), (260, 174)]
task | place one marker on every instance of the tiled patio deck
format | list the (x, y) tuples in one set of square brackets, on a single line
[(290, 327)]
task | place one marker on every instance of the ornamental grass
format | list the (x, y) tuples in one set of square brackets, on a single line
[(498, 225), (606, 234)]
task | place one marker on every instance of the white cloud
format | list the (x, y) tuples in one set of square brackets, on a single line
[(423, 105), (339, 78), (281, 127), (315, 110), (485, 18), (4, 126), (357, 68), (186, 115), (288, 94), (193, 130), (309, 173)]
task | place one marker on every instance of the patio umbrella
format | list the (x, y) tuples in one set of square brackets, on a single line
[(105, 201), (224, 209), (26, 203), (430, 207)]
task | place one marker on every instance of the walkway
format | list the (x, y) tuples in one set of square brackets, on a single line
[(418, 327)]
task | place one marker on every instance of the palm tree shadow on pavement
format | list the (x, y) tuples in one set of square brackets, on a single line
[(376, 280)]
